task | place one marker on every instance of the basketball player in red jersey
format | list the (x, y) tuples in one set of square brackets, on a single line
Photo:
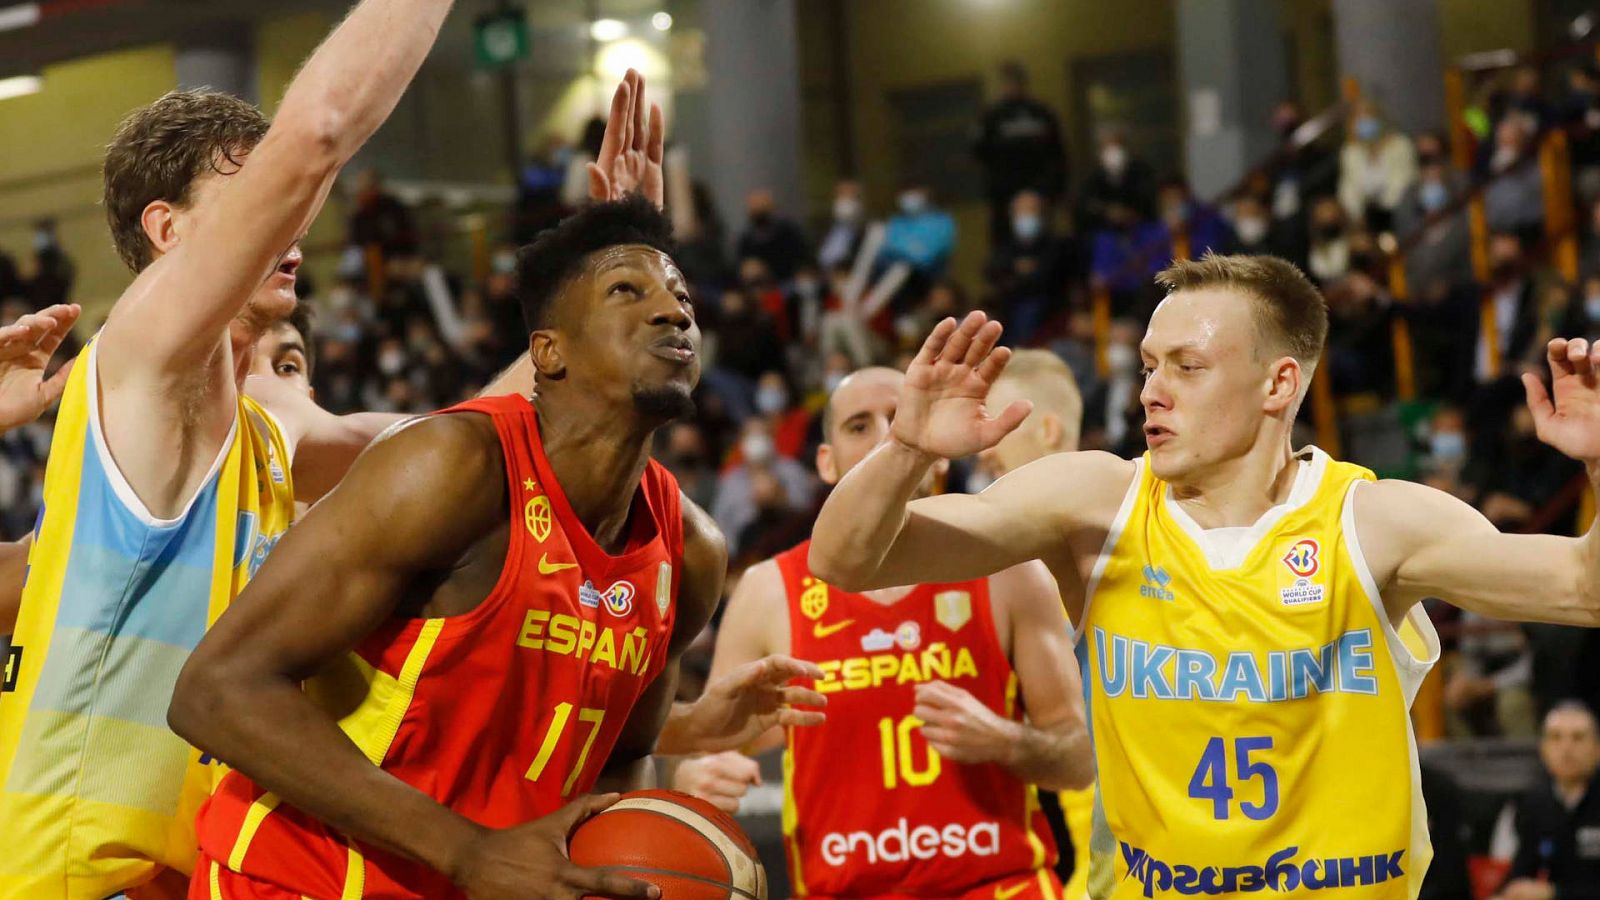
[(927, 687)]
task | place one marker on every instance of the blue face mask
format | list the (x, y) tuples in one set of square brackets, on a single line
[(1026, 227), (1433, 196), (1367, 128), (1447, 446), (1591, 307)]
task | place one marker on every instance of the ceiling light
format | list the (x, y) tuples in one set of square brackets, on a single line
[(19, 16), (607, 29), (662, 21), (20, 86)]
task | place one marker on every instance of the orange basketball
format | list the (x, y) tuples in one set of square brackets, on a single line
[(681, 844)]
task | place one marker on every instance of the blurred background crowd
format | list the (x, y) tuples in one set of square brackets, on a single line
[(1449, 256)]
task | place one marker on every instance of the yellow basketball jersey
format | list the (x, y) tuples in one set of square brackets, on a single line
[(1249, 701), (96, 794)]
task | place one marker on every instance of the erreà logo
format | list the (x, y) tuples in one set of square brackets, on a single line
[(1155, 584)]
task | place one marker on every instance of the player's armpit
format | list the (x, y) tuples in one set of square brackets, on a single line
[(322, 445), (1028, 514), (406, 513), (1420, 542)]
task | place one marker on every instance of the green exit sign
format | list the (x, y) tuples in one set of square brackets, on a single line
[(500, 38)]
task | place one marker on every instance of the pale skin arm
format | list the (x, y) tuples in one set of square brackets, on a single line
[(1420, 542), (1051, 748), (871, 535)]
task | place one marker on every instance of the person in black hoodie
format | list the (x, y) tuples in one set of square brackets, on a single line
[(1019, 145)]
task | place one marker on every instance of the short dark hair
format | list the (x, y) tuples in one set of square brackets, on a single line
[(1290, 313), (557, 256), (158, 152), (300, 320)]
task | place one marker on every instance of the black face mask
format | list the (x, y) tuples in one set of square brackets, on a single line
[(1505, 270), (1429, 159), (760, 219), (1330, 232)]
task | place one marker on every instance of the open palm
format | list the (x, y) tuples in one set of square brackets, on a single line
[(630, 153), (26, 346), (1567, 417), (942, 408)]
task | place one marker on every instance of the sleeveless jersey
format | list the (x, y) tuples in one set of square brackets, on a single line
[(870, 810), (503, 713), (1250, 705), (96, 793)]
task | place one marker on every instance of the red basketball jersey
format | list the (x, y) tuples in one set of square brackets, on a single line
[(502, 714), (870, 809)]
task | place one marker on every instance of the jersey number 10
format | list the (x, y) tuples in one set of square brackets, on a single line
[(898, 763), (1210, 781)]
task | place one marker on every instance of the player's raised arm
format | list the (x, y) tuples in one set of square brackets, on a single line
[(1421, 542), (168, 322), (869, 535), (407, 512)]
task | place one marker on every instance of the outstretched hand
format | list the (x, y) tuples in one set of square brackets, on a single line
[(26, 346), (630, 153), (742, 705), (941, 410), (1567, 416)]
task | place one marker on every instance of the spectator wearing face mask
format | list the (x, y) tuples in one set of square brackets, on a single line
[(735, 504), (380, 219), (1446, 453), (1190, 229), (1112, 416), (1019, 146), (685, 454), (1513, 200), (1358, 358), (1303, 168), (1441, 257), (1376, 166), (740, 343), (1256, 232), (1329, 256), (1118, 180), (776, 241), (1589, 252), (1028, 270), (920, 234), (842, 240), (787, 421), (53, 272), (1557, 822), (1585, 316), (1514, 309), (1580, 113)]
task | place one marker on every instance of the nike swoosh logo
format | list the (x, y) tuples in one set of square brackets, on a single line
[(546, 567), (820, 630), (1008, 893)]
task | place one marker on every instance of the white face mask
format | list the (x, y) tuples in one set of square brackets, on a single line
[(832, 381), (771, 400), (757, 448), (1122, 359), (1251, 229), (913, 202), (1114, 157), (847, 209), (390, 362)]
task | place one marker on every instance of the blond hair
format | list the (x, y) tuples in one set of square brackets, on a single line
[(1290, 314), (1049, 383)]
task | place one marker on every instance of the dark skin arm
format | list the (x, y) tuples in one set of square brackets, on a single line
[(409, 531)]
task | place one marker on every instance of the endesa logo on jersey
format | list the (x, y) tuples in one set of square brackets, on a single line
[(902, 843), (1282, 871)]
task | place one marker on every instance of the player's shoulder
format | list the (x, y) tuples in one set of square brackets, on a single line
[(1393, 516), (703, 542), (453, 455)]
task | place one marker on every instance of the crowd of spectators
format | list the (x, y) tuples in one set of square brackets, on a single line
[(789, 305)]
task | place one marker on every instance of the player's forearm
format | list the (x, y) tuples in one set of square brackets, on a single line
[(1588, 590), (270, 731), (864, 515), (352, 82), (1057, 758)]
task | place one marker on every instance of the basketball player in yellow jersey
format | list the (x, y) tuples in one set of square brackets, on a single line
[(1042, 379), (1248, 621), (166, 485)]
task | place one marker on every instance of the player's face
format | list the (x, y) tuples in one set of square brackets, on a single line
[(637, 331), (1569, 746), (281, 353), (862, 408), (1204, 385), (274, 299)]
